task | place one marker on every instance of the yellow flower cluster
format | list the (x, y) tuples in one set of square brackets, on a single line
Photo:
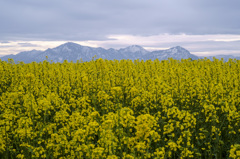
[(120, 109)]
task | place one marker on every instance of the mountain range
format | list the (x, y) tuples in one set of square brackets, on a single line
[(73, 52)]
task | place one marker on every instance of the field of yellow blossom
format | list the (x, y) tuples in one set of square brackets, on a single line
[(120, 109)]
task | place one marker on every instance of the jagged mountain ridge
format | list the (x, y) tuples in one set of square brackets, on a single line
[(73, 52), (175, 53)]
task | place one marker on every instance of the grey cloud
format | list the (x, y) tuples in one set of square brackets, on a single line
[(7, 46), (27, 45), (4, 42), (95, 19)]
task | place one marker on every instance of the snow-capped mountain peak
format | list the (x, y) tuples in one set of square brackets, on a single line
[(67, 47), (69, 44), (178, 49), (73, 52), (133, 52), (134, 48)]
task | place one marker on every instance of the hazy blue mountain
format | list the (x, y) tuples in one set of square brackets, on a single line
[(26, 56), (174, 52), (225, 57), (133, 52), (73, 52)]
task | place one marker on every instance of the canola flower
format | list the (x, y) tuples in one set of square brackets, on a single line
[(120, 109)]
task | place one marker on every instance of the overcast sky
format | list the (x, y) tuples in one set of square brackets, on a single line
[(204, 27)]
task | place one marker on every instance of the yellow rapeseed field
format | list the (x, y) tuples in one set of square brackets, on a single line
[(120, 109)]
